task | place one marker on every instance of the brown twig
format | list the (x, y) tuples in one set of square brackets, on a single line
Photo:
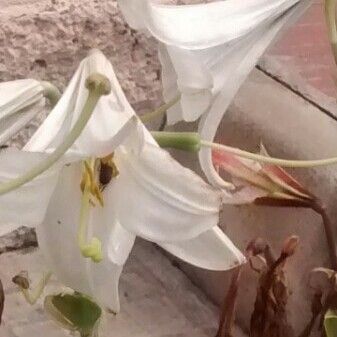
[(227, 315), (269, 316), (317, 206)]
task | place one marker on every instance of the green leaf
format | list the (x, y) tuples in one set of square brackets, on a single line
[(330, 323), (75, 312)]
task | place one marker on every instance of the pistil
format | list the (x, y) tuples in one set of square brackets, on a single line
[(93, 249)]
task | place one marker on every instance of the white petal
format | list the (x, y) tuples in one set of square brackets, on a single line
[(223, 63), (170, 85), (158, 199), (205, 25), (110, 115), (193, 80), (20, 102), (58, 240), (26, 205), (210, 250), (11, 125), (132, 10), (18, 95), (242, 58)]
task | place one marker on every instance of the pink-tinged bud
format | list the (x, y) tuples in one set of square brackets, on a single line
[(290, 245)]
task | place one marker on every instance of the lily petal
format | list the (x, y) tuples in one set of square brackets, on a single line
[(242, 58), (18, 95), (111, 114), (183, 72), (223, 40), (20, 102), (32, 198), (178, 204), (202, 26), (210, 250), (58, 241)]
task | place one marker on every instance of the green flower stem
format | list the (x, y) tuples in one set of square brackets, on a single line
[(51, 92), (32, 297), (330, 16), (98, 85), (92, 250), (160, 111), (270, 160), (191, 141), (187, 141)]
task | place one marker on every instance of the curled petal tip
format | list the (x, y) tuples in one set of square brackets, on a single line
[(98, 82)]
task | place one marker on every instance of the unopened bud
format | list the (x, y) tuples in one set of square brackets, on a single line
[(290, 245)]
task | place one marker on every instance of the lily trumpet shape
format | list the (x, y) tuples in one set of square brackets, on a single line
[(20, 102), (143, 192), (207, 52)]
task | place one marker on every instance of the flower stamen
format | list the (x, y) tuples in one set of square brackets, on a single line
[(97, 174)]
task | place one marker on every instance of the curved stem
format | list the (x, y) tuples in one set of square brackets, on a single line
[(330, 16), (51, 92), (160, 111), (95, 92), (270, 160), (190, 141)]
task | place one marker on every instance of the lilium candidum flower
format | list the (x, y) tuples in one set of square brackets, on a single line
[(207, 51), (117, 184)]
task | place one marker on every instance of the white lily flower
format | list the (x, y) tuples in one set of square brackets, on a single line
[(153, 196), (20, 102), (207, 51)]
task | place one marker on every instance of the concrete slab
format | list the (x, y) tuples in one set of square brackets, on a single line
[(157, 299)]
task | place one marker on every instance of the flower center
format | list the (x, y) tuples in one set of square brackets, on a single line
[(97, 174)]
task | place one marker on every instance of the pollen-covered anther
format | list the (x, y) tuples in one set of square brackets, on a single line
[(107, 171)]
